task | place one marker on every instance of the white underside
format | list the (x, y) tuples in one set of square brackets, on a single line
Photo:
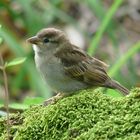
[(54, 75)]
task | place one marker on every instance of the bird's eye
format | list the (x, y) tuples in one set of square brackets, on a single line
[(46, 40)]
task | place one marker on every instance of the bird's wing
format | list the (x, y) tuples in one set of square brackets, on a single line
[(82, 67), (71, 55)]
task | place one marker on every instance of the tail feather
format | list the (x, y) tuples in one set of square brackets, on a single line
[(116, 85)]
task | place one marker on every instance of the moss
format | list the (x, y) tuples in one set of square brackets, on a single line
[(87, 115), (2, 127)]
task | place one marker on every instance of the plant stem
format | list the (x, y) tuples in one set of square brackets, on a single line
[(3, 68)]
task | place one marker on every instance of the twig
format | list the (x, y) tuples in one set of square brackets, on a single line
[(3, 68)]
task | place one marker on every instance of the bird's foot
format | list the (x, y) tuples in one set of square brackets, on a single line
[(53, 99)]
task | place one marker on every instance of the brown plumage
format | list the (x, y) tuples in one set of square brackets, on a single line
[(87, 69), (69, 63)]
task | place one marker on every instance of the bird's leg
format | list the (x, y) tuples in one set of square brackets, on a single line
[(53, 99)]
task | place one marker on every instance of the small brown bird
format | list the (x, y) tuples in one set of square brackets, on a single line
[(67, 68)]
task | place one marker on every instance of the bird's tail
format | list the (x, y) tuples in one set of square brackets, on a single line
[(116, 85)]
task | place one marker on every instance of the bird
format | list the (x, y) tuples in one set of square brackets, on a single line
[(67, 68)]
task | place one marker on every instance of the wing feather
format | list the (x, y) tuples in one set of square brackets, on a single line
[(82, 67)]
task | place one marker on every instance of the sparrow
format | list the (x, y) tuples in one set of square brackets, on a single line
[(67, 68)]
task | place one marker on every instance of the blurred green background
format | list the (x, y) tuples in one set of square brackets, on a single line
[(108, 30)]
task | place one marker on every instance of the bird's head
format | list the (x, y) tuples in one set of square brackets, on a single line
[(48, 38)]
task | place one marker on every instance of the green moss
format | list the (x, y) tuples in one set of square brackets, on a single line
[(2, 127), (88, 115)]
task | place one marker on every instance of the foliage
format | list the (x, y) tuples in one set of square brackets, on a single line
[(134, 49), (22, 19), (14, 62), (104, 25)]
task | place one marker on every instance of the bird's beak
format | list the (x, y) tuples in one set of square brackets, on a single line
[(33, 40)]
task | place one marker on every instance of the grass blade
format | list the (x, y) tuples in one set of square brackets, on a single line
[(134, 49), (103, 27)]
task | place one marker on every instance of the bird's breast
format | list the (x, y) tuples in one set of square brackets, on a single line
[(54, 75)]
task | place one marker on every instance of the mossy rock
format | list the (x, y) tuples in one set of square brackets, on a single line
[(88, 115)]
